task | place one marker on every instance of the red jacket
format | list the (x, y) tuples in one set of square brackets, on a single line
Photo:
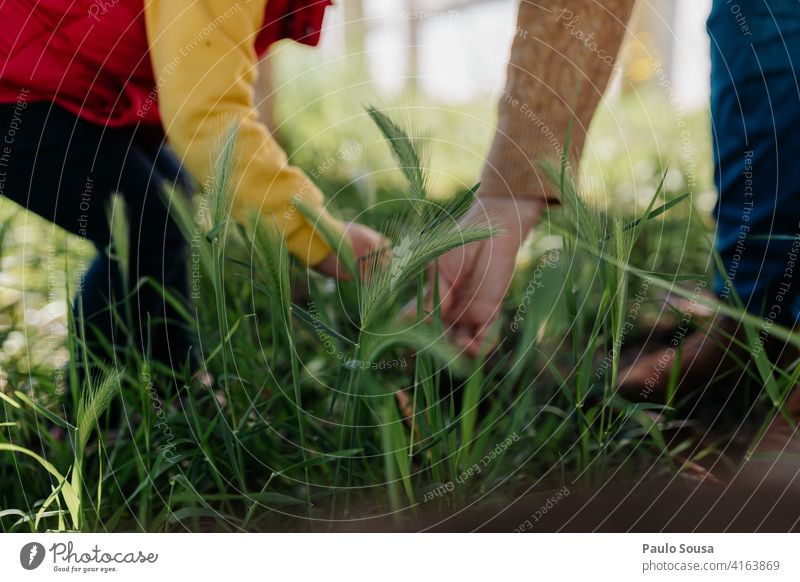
[(91, 56)]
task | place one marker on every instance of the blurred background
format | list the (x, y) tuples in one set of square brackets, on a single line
[(455, 50), (444, 60)]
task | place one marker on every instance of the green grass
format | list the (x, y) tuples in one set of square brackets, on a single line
[(300, 427)]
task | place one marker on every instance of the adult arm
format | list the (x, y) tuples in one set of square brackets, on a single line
[(561, 61)]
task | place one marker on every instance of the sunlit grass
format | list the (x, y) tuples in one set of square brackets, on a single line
[(300, 426)]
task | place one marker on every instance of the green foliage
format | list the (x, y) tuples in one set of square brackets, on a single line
[(299, 422)]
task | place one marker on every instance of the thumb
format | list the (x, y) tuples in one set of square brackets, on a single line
[(331, 266), (447, 296)]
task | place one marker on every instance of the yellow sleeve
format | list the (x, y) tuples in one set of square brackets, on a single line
[(204, 61)]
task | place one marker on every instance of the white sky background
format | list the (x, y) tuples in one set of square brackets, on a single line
[(463, 52), (690, 72)]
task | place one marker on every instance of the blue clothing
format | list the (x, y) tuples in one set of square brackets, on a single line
[(755, 110)]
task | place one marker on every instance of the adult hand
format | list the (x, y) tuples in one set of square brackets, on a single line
[(474, 279)]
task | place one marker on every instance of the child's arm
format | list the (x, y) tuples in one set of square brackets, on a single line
[(204, 60)]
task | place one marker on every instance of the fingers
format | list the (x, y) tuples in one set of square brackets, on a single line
[(365, 244), (331, 266), (409, 311), (370, 248), (365, 241), (475, 338), (471, 285)]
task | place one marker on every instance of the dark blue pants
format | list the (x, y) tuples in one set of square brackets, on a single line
[(755, 108), (66, 170)]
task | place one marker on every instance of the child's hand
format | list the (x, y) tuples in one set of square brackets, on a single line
[(474, 279), (363, 241)]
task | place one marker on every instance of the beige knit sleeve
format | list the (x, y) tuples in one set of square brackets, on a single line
[(561, 60)]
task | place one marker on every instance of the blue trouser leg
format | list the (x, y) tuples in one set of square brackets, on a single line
[(66, 170), (755, 109)]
